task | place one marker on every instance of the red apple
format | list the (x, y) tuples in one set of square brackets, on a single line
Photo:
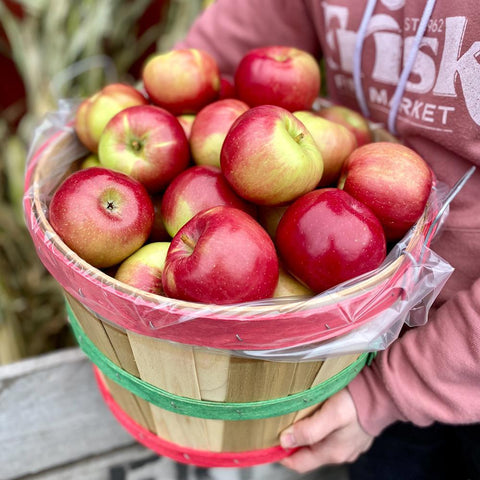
[(221, 256), (227, 88), (96, 111), (147, 143), (269, 217), (159, 232), (328, 237), (334, 141), (195, 189), (186, 121), (350, 119), (210, 129), (144, 268), (392, 180), (102, 215), (288, 286), (278, 75), (182, 81), (269, 157)]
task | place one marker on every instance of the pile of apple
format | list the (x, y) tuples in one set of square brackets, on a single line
[(215, 191)]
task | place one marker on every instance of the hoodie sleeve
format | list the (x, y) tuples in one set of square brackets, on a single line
[(228, 29), (430, 374)]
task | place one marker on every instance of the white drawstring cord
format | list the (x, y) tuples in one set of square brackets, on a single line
[(397, 96), (357, 57), (402, 82)]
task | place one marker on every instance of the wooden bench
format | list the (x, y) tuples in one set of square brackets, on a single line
[(55, 426)]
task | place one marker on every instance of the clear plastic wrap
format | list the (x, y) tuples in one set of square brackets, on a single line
[(364, 314)]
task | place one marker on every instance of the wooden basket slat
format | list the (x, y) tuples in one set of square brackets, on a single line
[(186, 371), (115, 346)]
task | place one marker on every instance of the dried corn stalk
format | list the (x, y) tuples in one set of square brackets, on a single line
[(62, 49)]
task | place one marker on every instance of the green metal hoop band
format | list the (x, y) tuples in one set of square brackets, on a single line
[(215, 410)]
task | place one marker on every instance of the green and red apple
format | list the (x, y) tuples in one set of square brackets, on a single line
[(210, 128), (90, 161), (351, 119), (186, 121), (334, 141), (102, 215), (97, 110), (269, 157), (182, 81), (147, 143), (198, 188), (144, 268)]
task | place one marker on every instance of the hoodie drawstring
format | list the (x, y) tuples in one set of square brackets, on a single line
[(402, 82), (357, 58)]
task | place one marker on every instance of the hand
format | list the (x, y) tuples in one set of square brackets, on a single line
[(331, 435)]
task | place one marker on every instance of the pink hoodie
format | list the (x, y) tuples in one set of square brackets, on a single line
[(432, 373)]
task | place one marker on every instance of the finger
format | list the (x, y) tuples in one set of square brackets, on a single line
[(335, 413), (329, 452), (340, 447), (302, 460)]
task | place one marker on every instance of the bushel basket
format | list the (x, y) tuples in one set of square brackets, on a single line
[(215, 385)]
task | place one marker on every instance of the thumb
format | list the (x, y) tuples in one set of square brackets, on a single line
[(335, 412)]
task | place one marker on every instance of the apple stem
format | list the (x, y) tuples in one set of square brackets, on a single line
[(299, 137), (188, 241), (136, 145)]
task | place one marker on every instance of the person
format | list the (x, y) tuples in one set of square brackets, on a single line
[(413, 66)]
